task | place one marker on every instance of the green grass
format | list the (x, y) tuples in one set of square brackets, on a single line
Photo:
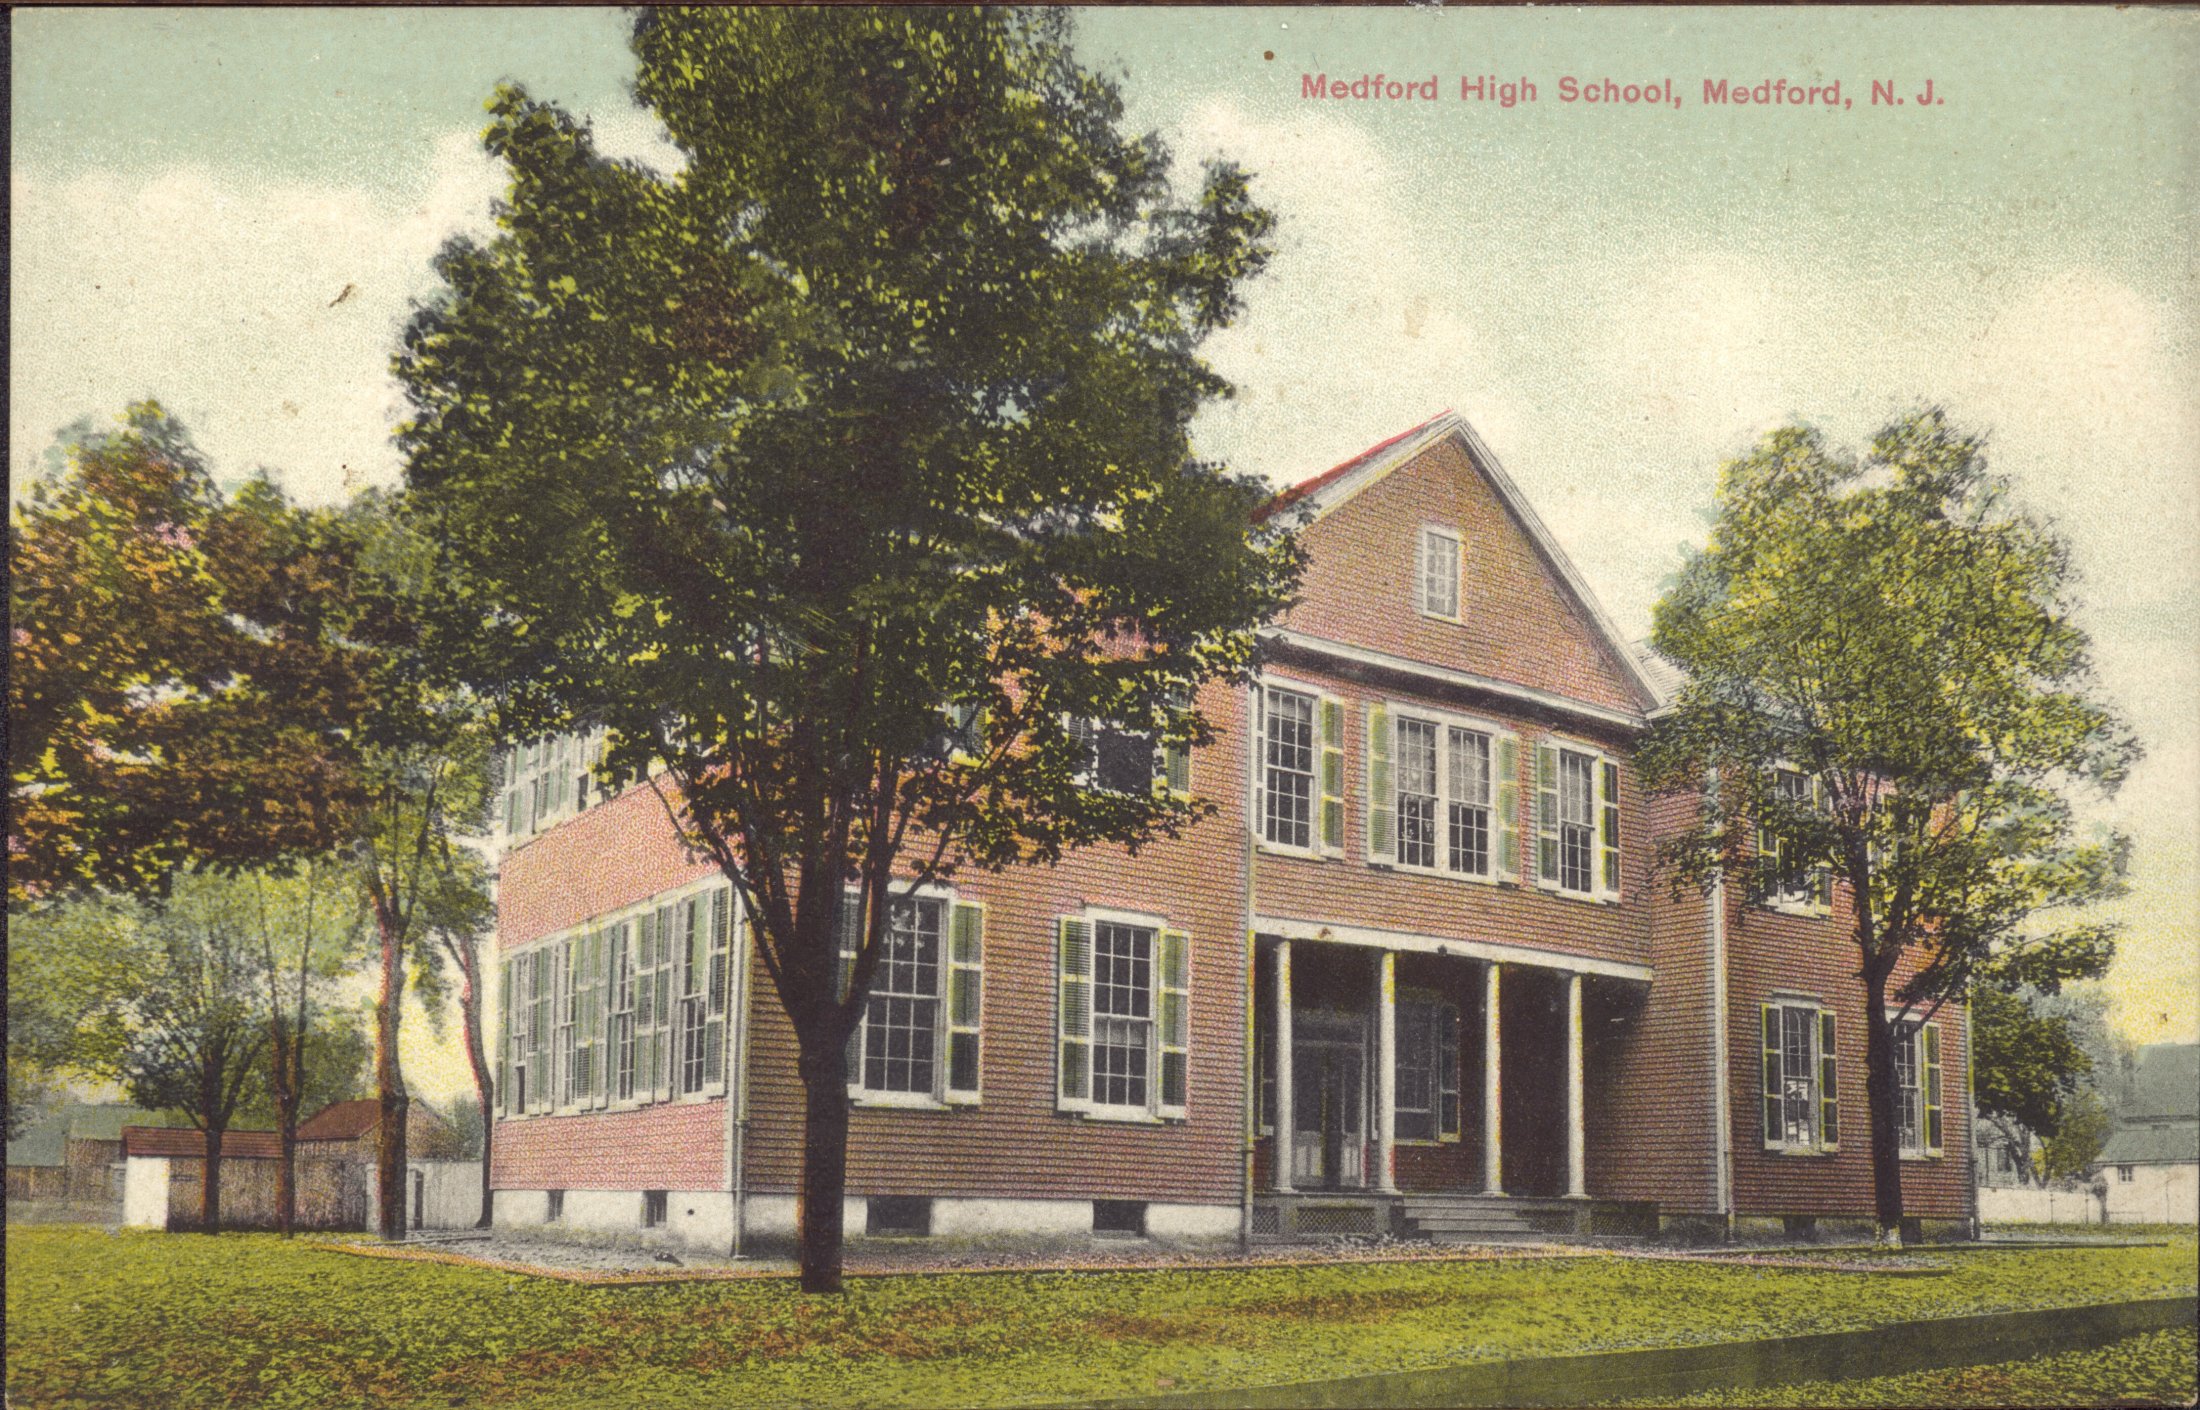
[(186, 1321), (2155, 1369)]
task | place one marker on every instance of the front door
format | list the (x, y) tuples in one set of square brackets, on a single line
[(1329, 1097)]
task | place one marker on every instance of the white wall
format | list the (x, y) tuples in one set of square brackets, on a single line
[(2155, 1194), (452, 1194), (2031, 1205), (145, 1192)]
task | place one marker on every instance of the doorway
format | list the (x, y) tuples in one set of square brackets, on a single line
[(1329, 1097)]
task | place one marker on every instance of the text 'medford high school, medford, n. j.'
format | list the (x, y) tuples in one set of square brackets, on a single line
[(1612, 92)]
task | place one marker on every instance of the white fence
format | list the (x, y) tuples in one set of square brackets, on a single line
[(441, 1194), (2028, 1205)]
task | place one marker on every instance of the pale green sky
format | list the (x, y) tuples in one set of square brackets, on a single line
[(1617, 297)]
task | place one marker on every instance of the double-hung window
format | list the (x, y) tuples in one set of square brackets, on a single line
[(1289, 751), (1439, 575), (1917, 1083), (1116, 759), (1427, 1086), (622, 1011), (1801, 1077), (917, 1042), (1451, 797), (1123, 1017), (1577, 821), (1789, 881)]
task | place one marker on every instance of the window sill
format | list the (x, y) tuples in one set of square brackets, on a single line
[(1924, 1157), (1799, 909), (1123, 1116), (1586, 898), (1278, 849), (1802, 1152), (1454, 619), (1438, 1144), (898, 1101)]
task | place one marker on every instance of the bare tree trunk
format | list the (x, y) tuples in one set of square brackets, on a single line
[(1883, 1099), (389, 1154), (469, 1009), (286, 1129), (824, 1164)]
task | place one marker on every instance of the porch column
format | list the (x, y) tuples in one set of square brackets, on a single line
[(1493, 1164), (1280, 1146), (1577, 1126), (1386, 1069)]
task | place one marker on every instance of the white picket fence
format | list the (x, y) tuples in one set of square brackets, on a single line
[(2031, 1205)]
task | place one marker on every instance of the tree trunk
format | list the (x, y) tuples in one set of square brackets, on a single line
[(286, 1173), (469, 1010), (1883, 1098), (210, 1189), (389, 1150), (824, 1164)]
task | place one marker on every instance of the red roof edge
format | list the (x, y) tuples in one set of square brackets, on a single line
[(1286, 498), (189, 1142)]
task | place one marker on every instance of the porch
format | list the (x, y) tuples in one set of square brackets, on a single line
[(1431, 1088)]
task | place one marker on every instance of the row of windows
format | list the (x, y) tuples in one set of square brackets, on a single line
[(1442, 794), (1801, 1080), (545, 781)]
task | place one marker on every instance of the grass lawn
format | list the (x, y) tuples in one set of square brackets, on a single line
[(2155, 1369), (183, 1320)]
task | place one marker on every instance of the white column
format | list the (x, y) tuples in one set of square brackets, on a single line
[(1577, 1126), (1386, 1069), (1280, 1146), (1493, 1165)]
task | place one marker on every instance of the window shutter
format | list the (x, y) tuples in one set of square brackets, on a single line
[(562, 1027), (1821, 877), (1546, 815), (1829, 1097), (504, 1037), (662, 1052), (1332, 774), (1382, 804), (1447, 1072), (965, 998), (1929, 1080), (1608, 826), (608, 940), (1257, 819), (1773, 1126), (1505, 803), (851, 941), (645, 1011), (584, 1020), (1176, 1020), (721, 963), (538, 1030), (1073, 982)]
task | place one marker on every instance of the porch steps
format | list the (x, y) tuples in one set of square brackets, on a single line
[(1476, 1219)]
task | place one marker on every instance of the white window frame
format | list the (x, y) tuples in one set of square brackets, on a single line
[(1154, 1111), (1445, 724), (1909, 1040), (1425, 571), (1315, 797), (1600, 761), (1792, 903), (939, 1097), (1438, 1006), (1815, 1063)]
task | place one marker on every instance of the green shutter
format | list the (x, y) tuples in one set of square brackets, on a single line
[(851, 941), (1332, 774), (1608, 826), (1382, 804), (1829, 1093), (721, 978), (1505, 802), (1546, 815), (1930, 1078), (1773, 1124), (965, 998), (1176, 1032), (1073, 1007), (504, 1037)]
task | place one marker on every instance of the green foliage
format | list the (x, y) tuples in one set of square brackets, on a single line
[(874, 411), (2079, 1136), (177, 679), (153, 1319), (1896, 630), (2026, 1064)]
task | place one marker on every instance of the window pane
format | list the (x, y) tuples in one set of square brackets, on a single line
[(1439, 574), (1288, 784), (1126, 760), (1798, 1066), (1122, 1006), (901, 1016), (1416, 766)]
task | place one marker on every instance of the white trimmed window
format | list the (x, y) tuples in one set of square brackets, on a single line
[(547, 780), (1290, 756), (1917, 1082), (1577, 821), (1119, 760), (1801, 1072), (1790, 884), (1439, 574), (1427, 1087), (917, 1043), (1443, 797), (1123, 1017)]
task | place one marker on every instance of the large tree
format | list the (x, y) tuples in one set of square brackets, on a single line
[(2031, 1062), (175, 691), (1894, 629), (838, 471)]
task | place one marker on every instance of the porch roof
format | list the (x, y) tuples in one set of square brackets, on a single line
[(1376, 938)]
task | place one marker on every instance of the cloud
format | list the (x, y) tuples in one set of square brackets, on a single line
[(262, 314)]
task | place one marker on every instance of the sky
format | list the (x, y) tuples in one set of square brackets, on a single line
[(234, 210)]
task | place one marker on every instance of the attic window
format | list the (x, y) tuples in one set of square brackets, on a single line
[(1439, 564)]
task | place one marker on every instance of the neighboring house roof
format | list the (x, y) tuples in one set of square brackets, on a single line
[(1339, 483), (187, 1142), (46, 1142), (342, 1121), (2170, 1143), (1665, 678), (2165, 1082)]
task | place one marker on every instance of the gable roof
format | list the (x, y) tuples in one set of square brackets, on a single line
[(2170, 1143), (342, 1121), (1324, 492), (2165, 1082), (188, 1143)]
